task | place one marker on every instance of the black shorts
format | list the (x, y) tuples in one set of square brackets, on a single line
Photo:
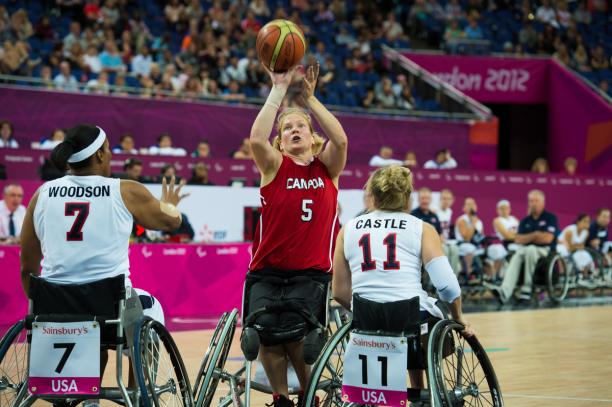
[(396, 317), (283, 293)]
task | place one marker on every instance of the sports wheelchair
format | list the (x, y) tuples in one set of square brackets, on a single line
[(212, 369), (458, 369), (157, 365)]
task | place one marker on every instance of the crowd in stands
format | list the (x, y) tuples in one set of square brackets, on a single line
[(206, 49)]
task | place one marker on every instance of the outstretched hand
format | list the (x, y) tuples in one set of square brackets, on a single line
[(309, 82), (171, 193), (284, 79)]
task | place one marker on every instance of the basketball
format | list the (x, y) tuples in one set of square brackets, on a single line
[(280, 45)]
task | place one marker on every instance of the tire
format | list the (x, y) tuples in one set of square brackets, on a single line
[(457, 379), (326, 376), (214, 359), (557, 279), (161, 374), (14, 352)]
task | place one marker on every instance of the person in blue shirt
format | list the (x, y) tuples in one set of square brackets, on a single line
[(598, 235), (424, 212), (537, 233), (473, 30)]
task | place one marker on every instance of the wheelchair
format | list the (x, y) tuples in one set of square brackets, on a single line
[(102, 305), (212, 369), (458, 372), (553, 276)]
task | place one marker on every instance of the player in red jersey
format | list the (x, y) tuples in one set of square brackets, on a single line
[(296, 231)]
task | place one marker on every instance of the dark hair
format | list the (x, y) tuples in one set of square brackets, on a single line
[(124, 136), (163, 135), (602, 210), (166, 167), (131, 162), (77, 138), (581, 216)]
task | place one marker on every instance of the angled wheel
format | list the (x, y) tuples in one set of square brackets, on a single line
[(326, 377), (214, 359), (161, 374), (14, 350), (557, 278), (459, 369)]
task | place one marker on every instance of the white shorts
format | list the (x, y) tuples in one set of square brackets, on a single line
[(156, 311), (465, 249), (497, 251), (583, 259)]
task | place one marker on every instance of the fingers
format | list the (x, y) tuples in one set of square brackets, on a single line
[(164, 188), (181, 185)]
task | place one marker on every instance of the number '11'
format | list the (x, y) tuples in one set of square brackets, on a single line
[(364, 369)]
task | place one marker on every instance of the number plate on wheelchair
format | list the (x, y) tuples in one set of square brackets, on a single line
[(375, 370), (65, 358)]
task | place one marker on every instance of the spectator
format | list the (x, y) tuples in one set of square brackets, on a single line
[(469, 234), (126, 145), (445, 215), (442, 161), (21, 26), (453, 11), (74, 36), (142, 62), (99, 85), (260, 8), (599, 61), (540, 166), (580, 59), (572, 242), (199, 175), (582, 14), (452, 33), (546, 14), (233, 93), (12, 213), (604, 87), (505, 226), (528, 36), (7, 140), (57, 136), (43, 30), (110, 58), (563, 15), (46, 80), (202, 150), (168, 171), (598, 234), (133, 170), (392, 30), (244, 152), (405, 100), (174, 11), (562, 55), (411, 160), (571, 165), (473, 30), (536, 234), (64, 80), (424, 212), (385, 96), (164, 147), (92, 60), (384, 158)]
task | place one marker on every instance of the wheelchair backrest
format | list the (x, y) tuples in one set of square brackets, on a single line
[(98, 299), (390, 317)]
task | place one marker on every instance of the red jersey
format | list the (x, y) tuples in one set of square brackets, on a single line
[(296, 230)]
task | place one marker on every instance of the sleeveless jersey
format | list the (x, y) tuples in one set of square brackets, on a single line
[(478, 227), (510, 224), (383, 250), (84, 229), (297, 228), (444, 216), (575, 237)]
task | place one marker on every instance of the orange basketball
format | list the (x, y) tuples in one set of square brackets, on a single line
[(280, 45)]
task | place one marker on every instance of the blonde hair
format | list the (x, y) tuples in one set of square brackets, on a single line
[(318, 140), (390, 187)]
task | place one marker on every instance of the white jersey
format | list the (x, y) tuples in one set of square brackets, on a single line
[(84, 229), (510, 224), (383, 250), (444, 216), (477, 226), (575, 238)]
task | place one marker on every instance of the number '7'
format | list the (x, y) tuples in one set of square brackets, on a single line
[(69, 347)]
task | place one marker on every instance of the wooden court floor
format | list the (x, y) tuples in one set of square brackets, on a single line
[(553, 357)]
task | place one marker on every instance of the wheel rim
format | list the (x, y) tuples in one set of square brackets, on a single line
[(558, 279), (14, 350), (465, 376), (209, 353), (162, 369)]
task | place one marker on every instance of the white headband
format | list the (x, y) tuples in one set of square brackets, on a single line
[(90, 149)]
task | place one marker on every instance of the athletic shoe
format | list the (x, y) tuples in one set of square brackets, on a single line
[(524, 298), (279, 400), (496, 291)]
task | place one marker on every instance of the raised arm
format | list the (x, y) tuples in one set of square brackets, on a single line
[(499, 226), (467, 231), (149, 212), (334, 155), (31, 253), (267, 158), (341, 282)]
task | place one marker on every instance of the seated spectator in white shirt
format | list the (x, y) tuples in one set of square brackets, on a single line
[(141, 63), (12, 213), (384, 158), (164, 147), (443, 161), (100, 85), (65, 80), (57, 137), (126, 145), (6, 135), (546, 14), (92, 59)]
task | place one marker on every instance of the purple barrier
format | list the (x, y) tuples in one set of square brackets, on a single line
[(486, 79), (36, 112), (580, 123), (188, 280)]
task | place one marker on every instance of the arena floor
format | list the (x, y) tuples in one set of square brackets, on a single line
[(549, 357)]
